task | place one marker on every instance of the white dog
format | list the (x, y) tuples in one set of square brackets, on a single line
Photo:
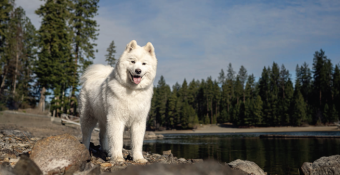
[(119, 97)]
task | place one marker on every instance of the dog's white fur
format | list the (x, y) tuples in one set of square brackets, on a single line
[(111, 98)]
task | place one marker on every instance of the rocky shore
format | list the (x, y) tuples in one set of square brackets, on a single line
[(22, 153)]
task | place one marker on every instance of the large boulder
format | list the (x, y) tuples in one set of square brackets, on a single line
[(247, 166), (323, 166), (60, 154)]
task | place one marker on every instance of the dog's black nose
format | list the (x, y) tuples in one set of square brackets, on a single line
[(138, 71)]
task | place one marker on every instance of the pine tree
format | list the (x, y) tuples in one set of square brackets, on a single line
[(163, 91), (84, 33), (333, 114), (243, 75), (250, 87), (221, 77), (208, 96), (151, 123), (171, 109), (216, 101), (16, 56), (306, 81), (238, 89), (192, 93), (15, 46), (283, 78), (298, 108), (336, 89), (225, 102), (264, 89), (321, 70), (274, 94), (6, 7), (257, 111), (85, 30), (184, 91), (55, 67), (230, 73), (286, 103), (26, 77), (110, 57), (326, 114)]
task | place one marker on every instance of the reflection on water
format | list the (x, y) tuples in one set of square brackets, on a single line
[(275, 156)]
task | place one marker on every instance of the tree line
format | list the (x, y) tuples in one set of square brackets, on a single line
[(273, 100), (35, 63)]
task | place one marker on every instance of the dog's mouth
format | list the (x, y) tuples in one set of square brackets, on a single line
[(135, 78)]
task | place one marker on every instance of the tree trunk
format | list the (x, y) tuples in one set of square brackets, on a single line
[(4, 77), (42, 99), (320, 98), (15, 73), (211, 121)]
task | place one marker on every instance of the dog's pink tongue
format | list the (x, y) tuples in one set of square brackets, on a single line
[(137, 79)]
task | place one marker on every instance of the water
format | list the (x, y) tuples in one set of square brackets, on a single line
[(275, 156)]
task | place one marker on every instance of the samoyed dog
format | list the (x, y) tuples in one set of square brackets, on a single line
[(119, 97)]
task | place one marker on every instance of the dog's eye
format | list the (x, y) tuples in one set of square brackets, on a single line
[(133, 62), (144, 63)]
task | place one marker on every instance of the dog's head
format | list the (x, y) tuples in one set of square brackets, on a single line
[(137, 65)]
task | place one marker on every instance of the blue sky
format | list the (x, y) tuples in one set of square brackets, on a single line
[(198, 38)]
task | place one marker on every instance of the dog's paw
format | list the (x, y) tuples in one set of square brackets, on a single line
[(141, 161)]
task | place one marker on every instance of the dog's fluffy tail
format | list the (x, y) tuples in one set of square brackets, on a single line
[(95, 72)]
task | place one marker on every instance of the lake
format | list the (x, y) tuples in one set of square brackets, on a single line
[(275, 156)]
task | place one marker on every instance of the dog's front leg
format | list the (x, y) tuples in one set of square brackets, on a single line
[(115, 131), (137, 137)]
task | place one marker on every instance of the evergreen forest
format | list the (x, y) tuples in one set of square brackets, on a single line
[(237, 98), (47, 62)]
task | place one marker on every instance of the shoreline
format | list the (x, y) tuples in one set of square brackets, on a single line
[(218, 129)]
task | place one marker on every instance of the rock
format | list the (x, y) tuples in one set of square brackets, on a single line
[(56, 120), (60, 152), (156, 155), (167, 152), (35, 138), (26, 166), (159, 136), (23, 145), (247, 166), (182, 160), (13, 160), (6, 167), (209, 167), (306, 168), (322, 166), (150, 135), (106, 165), (8, 153), (196, 160)]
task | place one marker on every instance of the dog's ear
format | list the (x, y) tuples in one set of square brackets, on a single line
[(149, 48), (132, 45)]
